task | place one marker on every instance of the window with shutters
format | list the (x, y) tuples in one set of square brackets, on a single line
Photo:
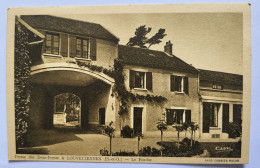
[(82, 49), (179, 84), (140, 80), (177, 116), (52, 43)]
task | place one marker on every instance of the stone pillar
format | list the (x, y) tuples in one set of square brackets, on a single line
[(183, 116), (230, 112), (201, 118), (220, 116)]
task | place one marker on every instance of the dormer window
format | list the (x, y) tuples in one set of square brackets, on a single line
[(82, 48), (218, 87), (52, 43)]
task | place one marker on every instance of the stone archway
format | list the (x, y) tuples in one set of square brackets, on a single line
[(93, 88)]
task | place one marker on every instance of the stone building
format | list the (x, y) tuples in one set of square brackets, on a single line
[(221, 102), (71, 56)]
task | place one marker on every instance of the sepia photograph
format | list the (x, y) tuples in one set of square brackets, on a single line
[(150, 85)]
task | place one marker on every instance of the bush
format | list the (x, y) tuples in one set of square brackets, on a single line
[(234, 130), (148, 151), (236, 153), (71, 117), (105, 152), (127, 132), (124, 153), (171, 149)]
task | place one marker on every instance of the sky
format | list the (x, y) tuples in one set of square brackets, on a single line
[(212, 41)]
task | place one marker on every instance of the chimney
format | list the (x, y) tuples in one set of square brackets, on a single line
[(168, 47)]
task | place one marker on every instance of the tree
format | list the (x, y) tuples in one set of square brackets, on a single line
[(139, 136), (109, 131), (186, 125), (162, 126), (179, 128), (156, 39), (22, 86), (141, 40), (193, 128)]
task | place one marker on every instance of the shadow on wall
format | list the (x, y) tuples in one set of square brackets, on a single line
[(52, 136)]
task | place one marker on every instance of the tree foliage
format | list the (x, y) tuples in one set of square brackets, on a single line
[(142, 41), (22, 86)]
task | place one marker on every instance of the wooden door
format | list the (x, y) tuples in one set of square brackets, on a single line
[(138, 120)]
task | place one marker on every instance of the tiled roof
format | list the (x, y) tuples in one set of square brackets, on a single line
[(221, 77), (65, 25), (153, 59)]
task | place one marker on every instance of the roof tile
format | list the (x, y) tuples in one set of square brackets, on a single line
[(153, 59), (68, 26), (221, 77)]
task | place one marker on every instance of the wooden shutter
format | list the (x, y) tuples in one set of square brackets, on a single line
[(149, 80), (93, 49), (172, 83), (207, 107), (186, 85), (169, 117), (43, 45), (132, 79), (225, 118), (64, 44), (188, 116), (73, 46)]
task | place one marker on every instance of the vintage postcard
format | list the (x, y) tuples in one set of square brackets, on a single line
[(136, 83)]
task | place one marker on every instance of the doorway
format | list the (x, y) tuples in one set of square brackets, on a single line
[(138, 111)]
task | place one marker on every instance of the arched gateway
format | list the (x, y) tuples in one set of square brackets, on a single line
[(92, 89)]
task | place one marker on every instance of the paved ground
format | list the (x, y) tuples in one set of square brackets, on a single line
[(75, 142)]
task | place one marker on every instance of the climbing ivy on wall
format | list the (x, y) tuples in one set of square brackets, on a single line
[(96, 68), (22, 86), (119, 89), (124, 95)]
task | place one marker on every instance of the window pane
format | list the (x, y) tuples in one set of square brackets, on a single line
[(214, 115), (56, 38), (178, 83), (78, 47), (139, 79), (56, 44), (78, 53), (85, 48), (55, 51), (142, 80), (48, 50), (78, 42), (48, 43), (48, 37), (85, 42), (179, 116), (84, 54)]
